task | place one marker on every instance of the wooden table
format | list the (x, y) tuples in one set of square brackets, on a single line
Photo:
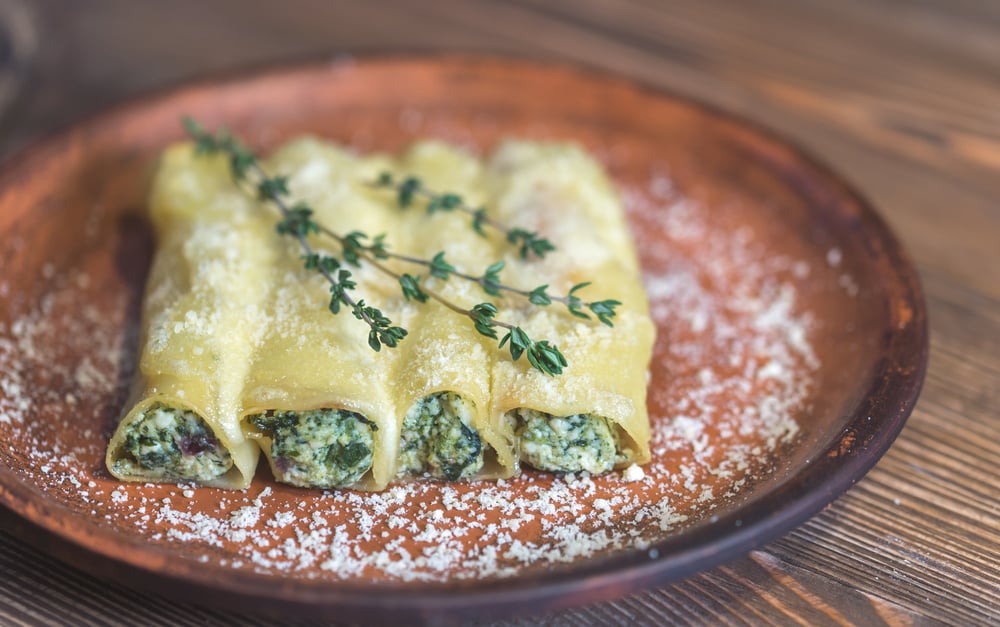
[(901, 97)]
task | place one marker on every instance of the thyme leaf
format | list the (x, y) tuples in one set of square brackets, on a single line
[(439, 267), (491, 279), (411, 288)]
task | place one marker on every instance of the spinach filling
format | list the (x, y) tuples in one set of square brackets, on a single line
[(169, 443), (567, 443), (439, 440), (320, 448)]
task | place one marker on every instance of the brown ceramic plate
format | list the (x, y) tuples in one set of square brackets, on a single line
[(792, 346)]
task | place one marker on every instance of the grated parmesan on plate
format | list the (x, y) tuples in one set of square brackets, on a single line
[(733, 367)]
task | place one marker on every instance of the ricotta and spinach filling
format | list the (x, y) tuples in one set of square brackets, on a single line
[(438, 438), (170, 443), (320, 448), (581, 442)]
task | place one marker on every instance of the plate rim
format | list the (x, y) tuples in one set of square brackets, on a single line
[(23, 508)]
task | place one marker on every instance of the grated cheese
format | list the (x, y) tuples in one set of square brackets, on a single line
[(741, 363)]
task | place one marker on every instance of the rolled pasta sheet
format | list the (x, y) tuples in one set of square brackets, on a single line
[(201, 319), (318, 397), (442, 380), (593, 416)]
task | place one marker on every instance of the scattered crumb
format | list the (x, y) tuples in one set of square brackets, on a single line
[(833, 257), (633, 473)]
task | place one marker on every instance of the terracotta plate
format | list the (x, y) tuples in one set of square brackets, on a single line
[(792, 345)]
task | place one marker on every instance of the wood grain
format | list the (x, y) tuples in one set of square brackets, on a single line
[(899, 96)]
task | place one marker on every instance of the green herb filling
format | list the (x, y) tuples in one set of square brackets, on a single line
[(170, 443), (567, 443), (321, 448), (438, 438)]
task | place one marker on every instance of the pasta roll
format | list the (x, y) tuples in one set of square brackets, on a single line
[(201, 319), (443, 377), (593, 416), (318, 398)]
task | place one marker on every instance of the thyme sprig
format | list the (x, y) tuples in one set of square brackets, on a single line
[(489, 281), (297, 222), (409, 188)]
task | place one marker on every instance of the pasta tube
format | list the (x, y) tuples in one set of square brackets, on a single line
[(318, 398), (201, 318), (593, 416), (443, 378)]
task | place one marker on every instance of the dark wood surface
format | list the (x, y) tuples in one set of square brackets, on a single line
[(901, 97)]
